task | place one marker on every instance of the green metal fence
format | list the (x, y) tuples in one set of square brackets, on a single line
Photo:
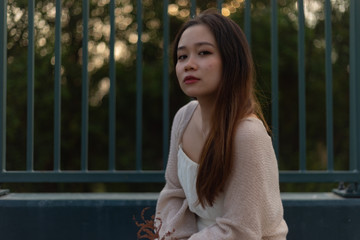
[(140, 175)]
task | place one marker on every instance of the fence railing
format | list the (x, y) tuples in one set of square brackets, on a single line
[(138, 174)]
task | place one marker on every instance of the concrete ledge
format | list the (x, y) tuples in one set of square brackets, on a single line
[(321, 216), (110, 215), (67, 216)]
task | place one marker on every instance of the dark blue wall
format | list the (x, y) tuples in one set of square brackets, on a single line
[(110, 216)]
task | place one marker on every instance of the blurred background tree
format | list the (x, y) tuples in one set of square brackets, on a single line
[(152, 38)]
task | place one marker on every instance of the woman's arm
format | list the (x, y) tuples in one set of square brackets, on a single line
[(252, 203), (172, 209)]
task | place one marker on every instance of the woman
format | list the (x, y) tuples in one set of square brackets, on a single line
[(222, 177)]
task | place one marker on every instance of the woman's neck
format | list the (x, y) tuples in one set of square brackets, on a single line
[(206, 111)]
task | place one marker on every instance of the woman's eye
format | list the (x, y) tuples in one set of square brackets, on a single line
[(204, 53), (181, 57)]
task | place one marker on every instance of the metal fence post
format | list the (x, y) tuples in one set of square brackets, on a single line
[(166, 97), (112, 94), (139, 86), (354, 85), (57, 89), (3, 65), (247, 21), (329, 88), (275, 76), (302, 86), (85, 88), (30, 88)]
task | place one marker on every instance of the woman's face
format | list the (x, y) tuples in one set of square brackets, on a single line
[(199, 65)]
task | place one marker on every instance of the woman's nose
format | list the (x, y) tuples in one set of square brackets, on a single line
[(190, 64)]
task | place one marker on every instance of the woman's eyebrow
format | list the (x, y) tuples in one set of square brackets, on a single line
[(197, 44)]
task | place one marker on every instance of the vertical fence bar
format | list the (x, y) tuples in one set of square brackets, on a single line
[(57, 88), (302, 100), (165, 83), (85, 87), (139, 77), (112, 96), (30, 89), (275, 76), (329, 87), (192, 8), (3, 79), (219, 5), (354, 85), (247, 20), (352, 90), (357, 76)]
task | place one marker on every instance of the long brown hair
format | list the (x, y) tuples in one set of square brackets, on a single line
[(235, 100)]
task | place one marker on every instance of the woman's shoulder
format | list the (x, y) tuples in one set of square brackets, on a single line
[(251, 129), (189, 107), (183, 116), (186, 111), (253, 145)]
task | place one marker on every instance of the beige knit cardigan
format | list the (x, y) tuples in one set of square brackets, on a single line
[(252, 203)]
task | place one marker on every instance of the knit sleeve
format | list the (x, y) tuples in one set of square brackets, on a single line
[(252, 203), (174, 218)]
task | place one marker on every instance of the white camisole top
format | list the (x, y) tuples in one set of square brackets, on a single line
[(187, 173)]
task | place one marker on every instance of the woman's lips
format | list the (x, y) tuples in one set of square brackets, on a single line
[(190, 79)]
